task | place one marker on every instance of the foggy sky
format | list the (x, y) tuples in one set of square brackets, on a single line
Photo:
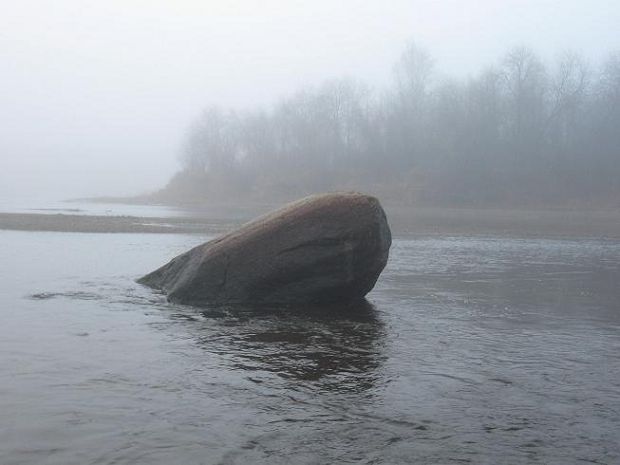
[(96, 97)]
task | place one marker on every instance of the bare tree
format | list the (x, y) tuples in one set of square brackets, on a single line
[(512, 134)]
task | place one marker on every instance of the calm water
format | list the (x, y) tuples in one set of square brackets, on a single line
[(473, 350)]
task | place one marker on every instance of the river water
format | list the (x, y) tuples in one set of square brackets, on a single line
[(479, 350)]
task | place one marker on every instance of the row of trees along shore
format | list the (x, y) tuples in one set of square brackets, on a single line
[(522, 133)]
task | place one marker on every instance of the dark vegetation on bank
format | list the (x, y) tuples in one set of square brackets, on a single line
[(522, 134)]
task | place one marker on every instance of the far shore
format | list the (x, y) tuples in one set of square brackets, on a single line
[(404, 222)]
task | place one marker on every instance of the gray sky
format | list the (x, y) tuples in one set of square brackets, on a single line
[(95, 96)]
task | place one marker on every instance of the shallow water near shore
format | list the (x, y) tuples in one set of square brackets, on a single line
[(473, 349)]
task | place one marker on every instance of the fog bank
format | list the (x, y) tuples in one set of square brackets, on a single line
[(96, 96)]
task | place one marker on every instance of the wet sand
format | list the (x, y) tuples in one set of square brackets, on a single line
[(109, 224), (403, 221), (511, 223)]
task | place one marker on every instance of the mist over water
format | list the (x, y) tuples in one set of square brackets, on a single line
[(489, 132), (98, 96)]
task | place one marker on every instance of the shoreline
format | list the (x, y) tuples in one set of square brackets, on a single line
[(404, 222), (60, 222), (390, 203)]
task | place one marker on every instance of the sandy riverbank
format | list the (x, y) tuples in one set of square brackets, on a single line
[(403, 221), (110, 224)]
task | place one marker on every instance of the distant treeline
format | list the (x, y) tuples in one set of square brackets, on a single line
[(520, 133)]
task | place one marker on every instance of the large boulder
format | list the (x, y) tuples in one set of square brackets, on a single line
[(327, 248)]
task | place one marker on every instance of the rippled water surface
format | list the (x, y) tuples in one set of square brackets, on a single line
[(472, 350)]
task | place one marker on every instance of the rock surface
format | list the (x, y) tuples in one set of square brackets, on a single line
[(327, 248)]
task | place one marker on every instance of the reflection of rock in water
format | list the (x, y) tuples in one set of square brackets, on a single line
[(339, 349)]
